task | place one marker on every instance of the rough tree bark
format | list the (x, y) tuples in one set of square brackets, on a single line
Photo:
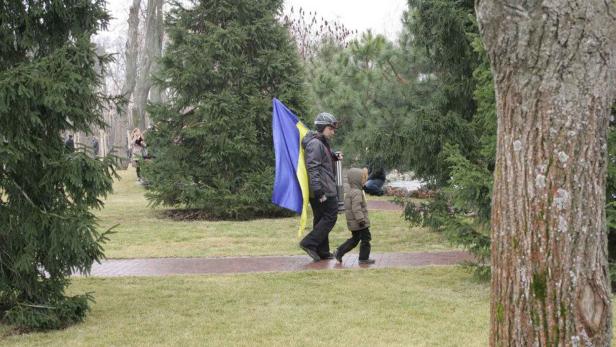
[(145, 89), (553, 64), (132, 50), (122, 122)]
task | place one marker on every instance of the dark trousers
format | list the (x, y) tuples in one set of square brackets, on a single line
[(325, 216), (362, 235)]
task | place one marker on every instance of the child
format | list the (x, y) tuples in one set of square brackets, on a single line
[(356, 211)]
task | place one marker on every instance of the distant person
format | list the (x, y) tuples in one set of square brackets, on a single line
[(375, 182), (138, 146), (69, 144), (356, 211), (95, 147), (320, 160)]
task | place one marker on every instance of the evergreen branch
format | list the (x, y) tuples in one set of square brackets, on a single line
[(400, 79), (37, 306), (34, 205)]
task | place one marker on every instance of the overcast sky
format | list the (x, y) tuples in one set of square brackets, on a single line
[(382, 16)]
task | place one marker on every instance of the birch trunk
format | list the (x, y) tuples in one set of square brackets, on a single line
[(553, 66)]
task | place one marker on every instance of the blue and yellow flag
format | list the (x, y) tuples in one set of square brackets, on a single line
[(291, 182)]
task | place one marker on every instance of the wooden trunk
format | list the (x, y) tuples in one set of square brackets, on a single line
[(553, 66)]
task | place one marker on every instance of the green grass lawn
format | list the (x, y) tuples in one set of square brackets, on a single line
[(431, 306), (144, 233), (428, 306)]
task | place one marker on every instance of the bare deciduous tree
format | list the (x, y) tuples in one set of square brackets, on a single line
[(310, 30)]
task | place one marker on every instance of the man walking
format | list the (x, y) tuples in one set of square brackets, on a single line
[(322, 181)]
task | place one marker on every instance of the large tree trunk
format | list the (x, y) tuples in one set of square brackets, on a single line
[(124, 121), (145, 89), (132, 50), (553, 65)]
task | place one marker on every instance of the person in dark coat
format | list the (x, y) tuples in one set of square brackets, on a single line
[(69, 144), (320, 160), (375, 182)]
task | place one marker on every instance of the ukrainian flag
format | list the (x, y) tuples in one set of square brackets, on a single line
[(291, 181)]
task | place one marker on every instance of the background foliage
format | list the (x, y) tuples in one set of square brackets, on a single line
[(426, 103), (212, 141)]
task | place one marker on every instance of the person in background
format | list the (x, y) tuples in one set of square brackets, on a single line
[(69, 144), (138, 146), (95, 148), (375, 182)]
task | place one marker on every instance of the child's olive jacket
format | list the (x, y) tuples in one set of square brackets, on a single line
[(356, 208)]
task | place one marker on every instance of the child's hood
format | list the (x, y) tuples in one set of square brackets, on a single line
[(354, 176)]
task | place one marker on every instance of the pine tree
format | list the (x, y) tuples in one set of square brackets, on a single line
[(350, 83), (49, 85), (212, 141), (375, 89)]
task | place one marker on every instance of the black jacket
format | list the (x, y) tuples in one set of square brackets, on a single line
[(320, 165)]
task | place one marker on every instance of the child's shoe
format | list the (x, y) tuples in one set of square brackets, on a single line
[(338, 256)]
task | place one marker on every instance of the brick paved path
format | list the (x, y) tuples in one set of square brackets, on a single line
[(218, 265), (177, 266)]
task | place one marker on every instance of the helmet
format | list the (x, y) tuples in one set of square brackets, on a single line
[(323, 120)]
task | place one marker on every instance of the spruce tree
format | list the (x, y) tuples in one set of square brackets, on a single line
[(449, 139), (49, 86), (212, 141), (439, 28)]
